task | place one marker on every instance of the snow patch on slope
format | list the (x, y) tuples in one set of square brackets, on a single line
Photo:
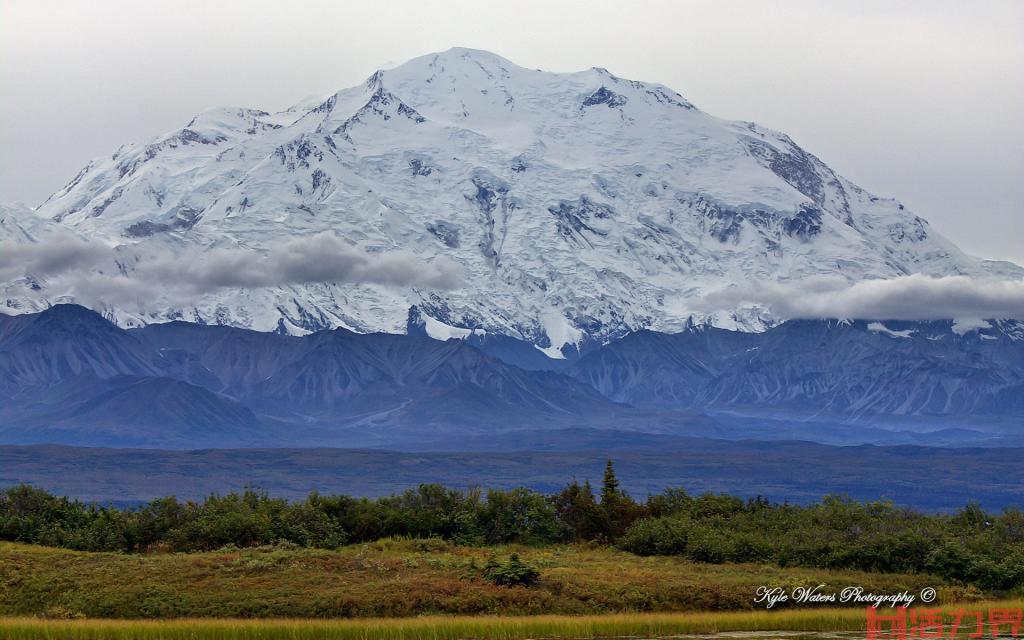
[(878, 327), (560, 334), (441, 331)]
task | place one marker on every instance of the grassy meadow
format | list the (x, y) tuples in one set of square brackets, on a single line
[(393, 578), (436, 563)]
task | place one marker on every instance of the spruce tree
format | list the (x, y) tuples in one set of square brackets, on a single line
[(610, 487)]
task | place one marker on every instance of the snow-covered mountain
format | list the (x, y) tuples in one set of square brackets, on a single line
[(573, 205)]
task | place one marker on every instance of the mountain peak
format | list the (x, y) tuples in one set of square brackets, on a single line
[(72, 318), (459, 55)]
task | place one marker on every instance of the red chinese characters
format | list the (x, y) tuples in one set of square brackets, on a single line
[(930, 624)]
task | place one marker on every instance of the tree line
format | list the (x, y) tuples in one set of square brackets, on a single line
[(970, 546)]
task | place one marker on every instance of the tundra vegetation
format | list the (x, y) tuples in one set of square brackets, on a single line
[(435, 550)]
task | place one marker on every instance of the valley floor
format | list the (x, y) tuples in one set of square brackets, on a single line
[(393, 578)]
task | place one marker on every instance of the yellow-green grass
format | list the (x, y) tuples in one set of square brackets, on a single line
[(438, 627), (644, 625), (393, 578)]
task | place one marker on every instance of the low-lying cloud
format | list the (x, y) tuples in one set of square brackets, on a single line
[(90, 271), (914, 297), (152, 273), (62, 252), (320, 258)]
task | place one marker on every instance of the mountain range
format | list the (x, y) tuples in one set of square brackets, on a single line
[(68, 375), (563, 210)]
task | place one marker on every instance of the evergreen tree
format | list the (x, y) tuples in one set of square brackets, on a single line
[(618, 508), (610, 493)]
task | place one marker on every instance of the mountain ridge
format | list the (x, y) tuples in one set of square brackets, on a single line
[(68, 375)]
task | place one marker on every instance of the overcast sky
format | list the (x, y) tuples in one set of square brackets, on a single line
[(923, 101)]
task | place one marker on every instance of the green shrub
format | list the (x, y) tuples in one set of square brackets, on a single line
[(657, 537), (513, 573)]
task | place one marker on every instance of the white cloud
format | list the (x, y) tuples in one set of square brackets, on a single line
[(318, 258), (93, 273), (914, 297), (62, 251)]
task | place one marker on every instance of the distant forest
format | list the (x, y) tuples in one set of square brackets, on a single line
[(971, 546)]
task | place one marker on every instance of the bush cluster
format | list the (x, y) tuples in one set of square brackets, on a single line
[(513, 573), (970, 547)]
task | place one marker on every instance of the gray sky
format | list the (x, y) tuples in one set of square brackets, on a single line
[(921, 100)]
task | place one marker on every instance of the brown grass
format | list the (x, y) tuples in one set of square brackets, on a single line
[(390, 578)]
